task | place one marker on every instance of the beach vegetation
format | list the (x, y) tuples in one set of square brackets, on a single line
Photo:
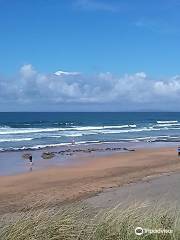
[(82, 223)]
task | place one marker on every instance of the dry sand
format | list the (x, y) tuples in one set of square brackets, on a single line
[(161, 191), (55, 186)]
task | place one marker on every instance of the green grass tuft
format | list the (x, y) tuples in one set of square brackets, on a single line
[(77, 223)]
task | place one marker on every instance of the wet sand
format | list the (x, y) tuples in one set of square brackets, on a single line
[(57, 185), (12, 162)]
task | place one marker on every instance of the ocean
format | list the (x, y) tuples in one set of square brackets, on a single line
[(36, 130)]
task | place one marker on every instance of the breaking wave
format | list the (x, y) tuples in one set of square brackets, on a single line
[(174, 121)]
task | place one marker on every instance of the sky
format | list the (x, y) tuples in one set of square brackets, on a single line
[(89, 55)]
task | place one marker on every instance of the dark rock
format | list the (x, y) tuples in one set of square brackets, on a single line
[(47, 155), (26, 155)]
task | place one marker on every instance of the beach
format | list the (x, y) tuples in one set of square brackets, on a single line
[(59, 172), (89, 120), (150, 190), (55, 186)]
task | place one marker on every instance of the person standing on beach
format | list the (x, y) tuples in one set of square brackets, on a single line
[(30, 163), (30, 160)]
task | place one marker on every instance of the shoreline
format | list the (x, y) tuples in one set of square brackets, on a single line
[(13, 163), (58, 185), (90, 143)]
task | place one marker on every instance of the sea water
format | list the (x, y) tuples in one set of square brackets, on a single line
[(38, 130)]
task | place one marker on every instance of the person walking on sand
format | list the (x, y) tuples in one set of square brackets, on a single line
[(178, 151), (30, 160), (30, 163)]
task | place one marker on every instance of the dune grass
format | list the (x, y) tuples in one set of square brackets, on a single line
[(80, 223)]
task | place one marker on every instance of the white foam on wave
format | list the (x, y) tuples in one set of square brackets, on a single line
[(104, 131), (133, 125), (170, 121), (6, 131), (119, 126), (166, 124), (4, 127), (72, 135), (48, 145), (130, 130), (85, 128), (69, 134), (87, 142), (173, 128), (15, 139), (36, 147), (153, 137)]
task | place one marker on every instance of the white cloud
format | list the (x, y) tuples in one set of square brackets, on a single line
[(169, 88), (27, 71), (131, 91), (62, 73)]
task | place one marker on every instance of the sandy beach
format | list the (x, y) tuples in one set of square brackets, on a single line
[(57, 185), (153, 190)]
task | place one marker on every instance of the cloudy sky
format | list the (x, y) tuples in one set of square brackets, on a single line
[(89, 55)]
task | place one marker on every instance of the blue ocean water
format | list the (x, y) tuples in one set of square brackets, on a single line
[(38, 130)]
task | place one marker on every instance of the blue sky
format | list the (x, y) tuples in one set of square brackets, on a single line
[(117, 38)]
